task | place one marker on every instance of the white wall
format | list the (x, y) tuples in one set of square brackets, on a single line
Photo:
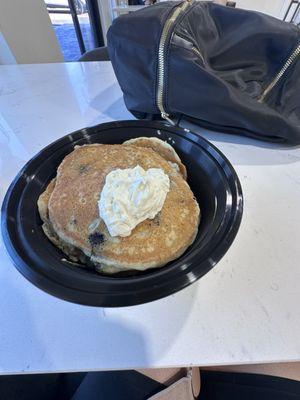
[(105, 8), (275, 8), (6, 56), (27, 29), (271, 7)]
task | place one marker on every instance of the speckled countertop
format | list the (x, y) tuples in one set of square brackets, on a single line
[(245, 310)]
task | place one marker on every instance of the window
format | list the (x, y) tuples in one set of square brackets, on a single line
[(77, 26)]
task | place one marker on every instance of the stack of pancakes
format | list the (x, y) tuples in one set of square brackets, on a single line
[(69, 208)]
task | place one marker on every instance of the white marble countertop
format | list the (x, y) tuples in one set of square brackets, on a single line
[(245, 310)]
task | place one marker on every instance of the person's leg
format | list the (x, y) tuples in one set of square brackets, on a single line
[(29, 387), (284, 370), (117, 385), (217, 385)]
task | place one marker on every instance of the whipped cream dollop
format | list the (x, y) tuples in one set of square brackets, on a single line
[(130, 196)]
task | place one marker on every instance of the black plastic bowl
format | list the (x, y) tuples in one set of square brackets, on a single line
[(210, 175)]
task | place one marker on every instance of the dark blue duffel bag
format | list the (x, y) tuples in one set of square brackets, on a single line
[(224, 68)]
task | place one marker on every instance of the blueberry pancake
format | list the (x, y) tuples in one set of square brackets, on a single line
[(69, 210), (162, 148)]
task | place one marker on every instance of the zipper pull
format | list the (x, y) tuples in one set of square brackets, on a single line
[(166, 117)]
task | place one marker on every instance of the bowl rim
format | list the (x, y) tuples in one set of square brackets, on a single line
[(181, 277)]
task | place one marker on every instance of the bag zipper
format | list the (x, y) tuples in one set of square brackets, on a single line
[(161, 57), (290, 61), (198, 53), (194, 49)]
